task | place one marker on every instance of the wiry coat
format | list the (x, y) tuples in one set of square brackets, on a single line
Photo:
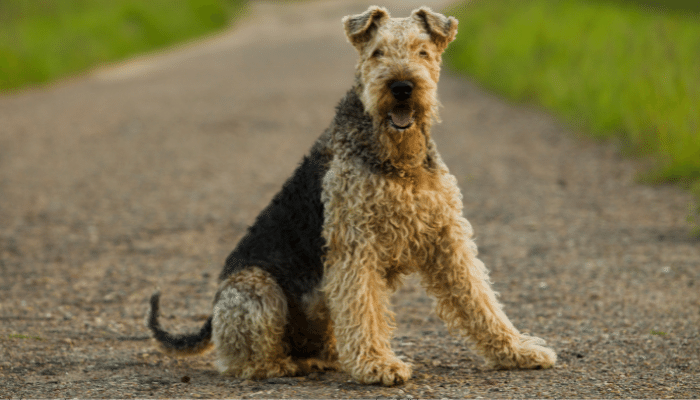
[(307, 287)]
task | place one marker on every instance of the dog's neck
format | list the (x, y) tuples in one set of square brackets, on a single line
[(405, 155), (406, 149)]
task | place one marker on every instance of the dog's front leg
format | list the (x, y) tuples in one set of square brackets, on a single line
[(357, 299), (467, 304)]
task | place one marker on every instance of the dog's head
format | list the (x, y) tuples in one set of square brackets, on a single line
[(399, 63)]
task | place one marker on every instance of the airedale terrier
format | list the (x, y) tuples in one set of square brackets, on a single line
[(308, 286)]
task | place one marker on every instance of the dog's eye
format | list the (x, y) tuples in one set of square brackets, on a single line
[(377, 53), (423, 54)]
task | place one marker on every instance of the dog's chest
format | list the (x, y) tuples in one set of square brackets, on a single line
[(401, 219)]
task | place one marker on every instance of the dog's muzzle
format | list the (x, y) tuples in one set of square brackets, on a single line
[(401, 116)]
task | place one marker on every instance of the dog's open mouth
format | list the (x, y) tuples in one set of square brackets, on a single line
[(401, 116)]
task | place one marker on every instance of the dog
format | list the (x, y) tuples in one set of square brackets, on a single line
[(307, 288)]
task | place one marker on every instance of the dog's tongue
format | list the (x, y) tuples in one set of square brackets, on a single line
[(401, 116)]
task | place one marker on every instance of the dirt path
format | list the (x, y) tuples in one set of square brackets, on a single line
[(145, 175)]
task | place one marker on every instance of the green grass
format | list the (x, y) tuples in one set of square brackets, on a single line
[(610, 68), (44, 40), (20, 336)]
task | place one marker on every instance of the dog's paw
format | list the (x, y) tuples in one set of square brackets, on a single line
[(528, 353), (317, 365), (387, 372), (533, 353)]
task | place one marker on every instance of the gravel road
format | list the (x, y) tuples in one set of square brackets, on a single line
[(144, 175)]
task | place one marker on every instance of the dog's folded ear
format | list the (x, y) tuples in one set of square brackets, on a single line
[(442, 29), (361, 27)]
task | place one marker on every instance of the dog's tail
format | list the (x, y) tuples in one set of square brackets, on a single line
[(178, 345)]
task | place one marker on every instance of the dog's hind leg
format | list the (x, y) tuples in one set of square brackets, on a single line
[(249, 319)]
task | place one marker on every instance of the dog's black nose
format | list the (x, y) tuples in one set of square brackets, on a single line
[(401, 90)]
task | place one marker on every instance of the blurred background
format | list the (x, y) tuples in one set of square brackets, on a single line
[(623, 70), (140, 138), (43, 40)]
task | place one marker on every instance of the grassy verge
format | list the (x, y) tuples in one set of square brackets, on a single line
[(612, 68), (43, 40)]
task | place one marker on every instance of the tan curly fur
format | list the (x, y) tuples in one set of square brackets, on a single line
[(248, 327), (379, 227)]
